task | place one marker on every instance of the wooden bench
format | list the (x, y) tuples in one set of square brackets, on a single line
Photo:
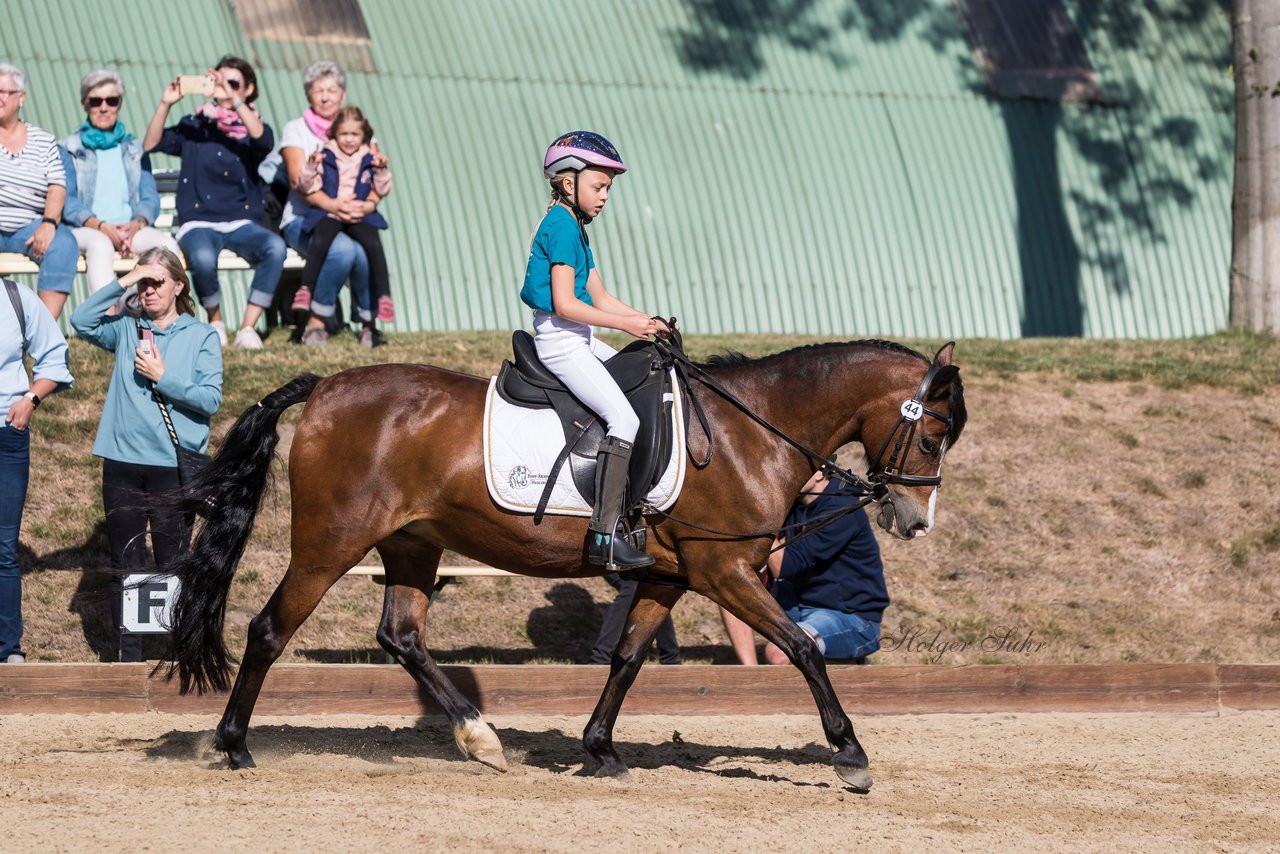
[(13, 263)]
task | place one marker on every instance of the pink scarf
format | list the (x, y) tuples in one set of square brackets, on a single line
[(316, 123), (228, 121)]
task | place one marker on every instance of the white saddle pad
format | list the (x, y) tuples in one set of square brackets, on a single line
[(521, 446)]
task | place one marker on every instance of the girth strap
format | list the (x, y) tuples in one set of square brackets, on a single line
[(555, 470)]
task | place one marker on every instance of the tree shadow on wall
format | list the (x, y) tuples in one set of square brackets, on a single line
[(1128, 147)]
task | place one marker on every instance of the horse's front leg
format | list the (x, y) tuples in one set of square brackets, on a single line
[(651, 606), (746, 598)]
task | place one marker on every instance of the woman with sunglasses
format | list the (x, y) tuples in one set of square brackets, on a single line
[(220, 203), (160, 349), (111, 193)]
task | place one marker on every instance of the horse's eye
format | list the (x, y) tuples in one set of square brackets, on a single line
[(928, 445)]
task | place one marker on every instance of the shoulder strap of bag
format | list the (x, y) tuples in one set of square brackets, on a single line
[(12, 287), (159, 399)]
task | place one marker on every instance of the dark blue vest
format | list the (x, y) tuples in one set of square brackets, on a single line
[(329, 183)]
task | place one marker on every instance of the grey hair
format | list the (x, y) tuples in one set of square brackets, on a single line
[(321, 69), (96, 78), (19, 78)]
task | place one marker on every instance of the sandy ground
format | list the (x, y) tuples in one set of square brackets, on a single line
[(1047, 782)]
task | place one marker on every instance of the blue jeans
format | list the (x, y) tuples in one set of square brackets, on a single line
[(58, 266), (15, 455), (346, 259), (840, 636), (261, 247)]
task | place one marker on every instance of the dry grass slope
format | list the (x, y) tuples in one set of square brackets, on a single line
[(1109, 501)]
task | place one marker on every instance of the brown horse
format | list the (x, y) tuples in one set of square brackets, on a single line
[(389, 457)]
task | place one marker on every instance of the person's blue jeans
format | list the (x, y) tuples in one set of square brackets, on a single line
[(840, 636), (58, 266), (261, 247), (346, 260), (15, 456)]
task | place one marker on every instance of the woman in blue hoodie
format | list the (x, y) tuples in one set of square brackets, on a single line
[(160, 349)]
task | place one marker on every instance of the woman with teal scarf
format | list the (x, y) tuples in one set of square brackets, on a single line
[(111, 194)]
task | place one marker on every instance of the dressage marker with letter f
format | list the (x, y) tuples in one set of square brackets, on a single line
[(148, 603)]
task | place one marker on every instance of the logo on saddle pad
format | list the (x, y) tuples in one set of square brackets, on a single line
[(521, 478)]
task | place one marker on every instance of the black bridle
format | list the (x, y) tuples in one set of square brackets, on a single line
[(909, 415), (873, 488)]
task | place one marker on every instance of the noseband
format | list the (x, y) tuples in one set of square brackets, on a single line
[(909, 415)]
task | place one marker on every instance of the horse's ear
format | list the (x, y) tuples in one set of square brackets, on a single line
[(943, 356), (942, 381)]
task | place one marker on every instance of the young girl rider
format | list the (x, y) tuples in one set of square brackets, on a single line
[(563, 287)]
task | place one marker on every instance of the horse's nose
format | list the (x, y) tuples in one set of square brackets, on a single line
[(919, 529)]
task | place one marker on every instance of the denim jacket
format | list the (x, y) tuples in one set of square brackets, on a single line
[(144, 200)]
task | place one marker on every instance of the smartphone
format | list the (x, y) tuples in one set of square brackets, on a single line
[(147, 344), (195, 84)]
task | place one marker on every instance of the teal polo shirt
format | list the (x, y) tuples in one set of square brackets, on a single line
[(558, 240)]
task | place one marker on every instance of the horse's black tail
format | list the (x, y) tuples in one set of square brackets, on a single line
[(227, 493)]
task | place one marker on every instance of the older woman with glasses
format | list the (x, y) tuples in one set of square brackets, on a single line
[(220, 203), (33, 189), (112, 201)]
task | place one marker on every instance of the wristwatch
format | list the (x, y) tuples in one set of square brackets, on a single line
[(33, 397), (49, 220)]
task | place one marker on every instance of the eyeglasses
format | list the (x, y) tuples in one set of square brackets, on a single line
[(233, 83), (9, 93), (110, 101)]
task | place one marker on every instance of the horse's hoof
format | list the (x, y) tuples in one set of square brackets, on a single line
[(240, 759), (493, 758), (859, 779), (621, 773), (477, 740)]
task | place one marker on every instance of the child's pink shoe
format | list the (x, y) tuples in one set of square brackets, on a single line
[(302, 299), (386, 310)]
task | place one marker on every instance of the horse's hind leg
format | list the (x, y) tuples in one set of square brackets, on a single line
[(410, 566), (747, 599), (652, 605), (301, 589)]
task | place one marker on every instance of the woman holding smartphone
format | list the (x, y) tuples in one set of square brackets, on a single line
[(161, 351), (220, 203)]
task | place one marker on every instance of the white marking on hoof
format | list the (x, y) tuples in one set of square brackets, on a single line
[(477, 740)]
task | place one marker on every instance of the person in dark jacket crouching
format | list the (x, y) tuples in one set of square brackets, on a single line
[(831, 582)]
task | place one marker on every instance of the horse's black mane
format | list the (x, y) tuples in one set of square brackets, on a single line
[(959, 415), (733, 358)]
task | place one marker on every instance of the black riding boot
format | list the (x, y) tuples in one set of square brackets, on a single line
[(604, 546)]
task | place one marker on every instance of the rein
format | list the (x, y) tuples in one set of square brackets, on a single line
[(873, 489)]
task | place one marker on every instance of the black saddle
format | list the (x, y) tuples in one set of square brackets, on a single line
[(644, 376)]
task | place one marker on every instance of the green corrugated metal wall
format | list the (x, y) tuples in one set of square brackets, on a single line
[(827, 172)]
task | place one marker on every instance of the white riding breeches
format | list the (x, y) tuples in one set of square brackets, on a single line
[(576, 357)]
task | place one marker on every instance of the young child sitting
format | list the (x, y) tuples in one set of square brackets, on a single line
[(347, 167)]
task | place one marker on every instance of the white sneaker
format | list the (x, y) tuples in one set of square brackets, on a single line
[(16, 658), (220, 328), (247, 339)]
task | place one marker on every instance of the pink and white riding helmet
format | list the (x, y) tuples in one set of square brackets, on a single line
[(579, 149)]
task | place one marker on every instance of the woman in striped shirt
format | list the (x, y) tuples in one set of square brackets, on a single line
[(33, 187)]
